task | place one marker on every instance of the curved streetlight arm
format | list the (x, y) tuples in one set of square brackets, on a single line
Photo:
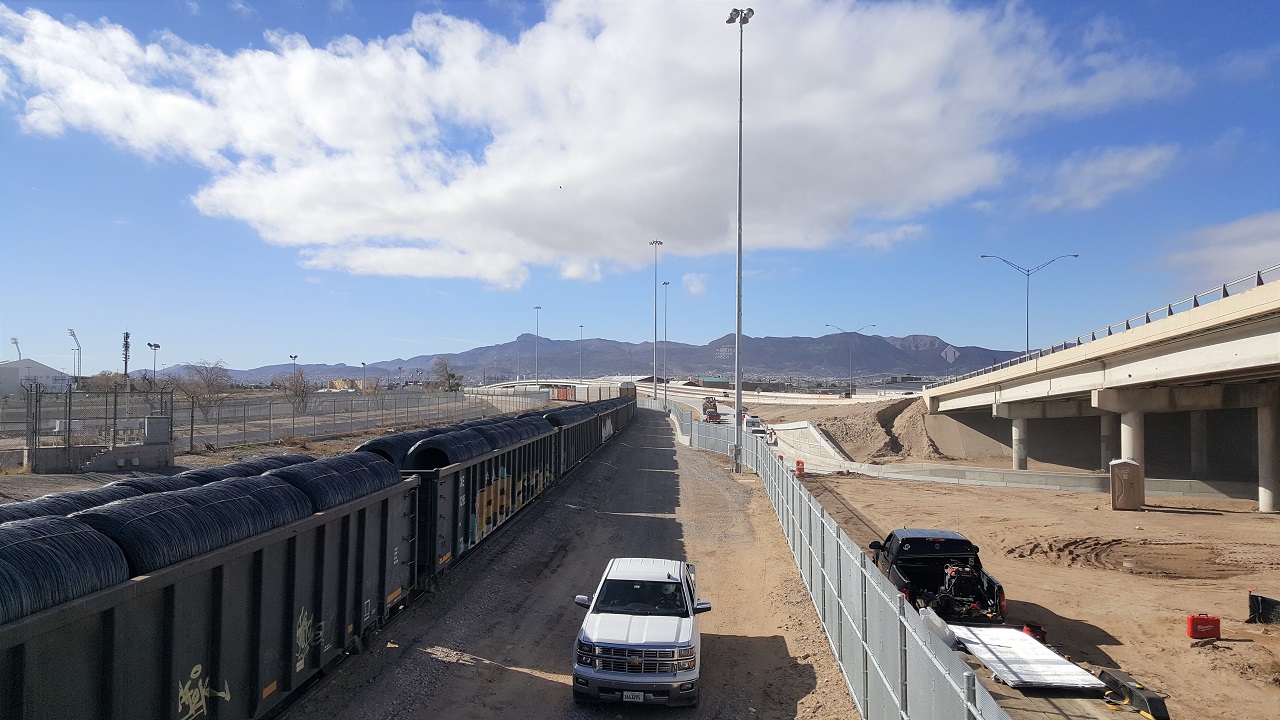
[(1028, 274)]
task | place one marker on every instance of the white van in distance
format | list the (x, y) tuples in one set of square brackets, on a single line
[(639, 641)]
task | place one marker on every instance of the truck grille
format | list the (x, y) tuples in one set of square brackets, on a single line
[(635, 660)]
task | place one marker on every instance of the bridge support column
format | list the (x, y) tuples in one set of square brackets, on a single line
[(1110, 438), (1019, 444), (1131, 440), (1199, 444), (1268, 457)]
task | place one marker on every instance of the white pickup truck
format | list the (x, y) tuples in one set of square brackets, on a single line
[(639, 641)]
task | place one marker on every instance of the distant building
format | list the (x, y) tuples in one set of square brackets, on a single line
[(16, 373)]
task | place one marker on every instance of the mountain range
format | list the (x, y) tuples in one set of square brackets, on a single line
[(829, 357)]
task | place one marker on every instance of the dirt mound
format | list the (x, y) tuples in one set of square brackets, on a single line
[(874, 432)]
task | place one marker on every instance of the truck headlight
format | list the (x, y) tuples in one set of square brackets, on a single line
[(585, 647), (685, 652), (686, 664)]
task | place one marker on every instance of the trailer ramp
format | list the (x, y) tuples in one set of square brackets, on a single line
[(1019, 660)]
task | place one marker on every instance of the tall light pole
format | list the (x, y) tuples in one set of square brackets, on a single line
[(537, 329), (79, 353), (580, 375), (1028, 273), (155, 347), (656, 244), (364, 375), (293, 360), (864, 327), (665, 382), (741, 17)]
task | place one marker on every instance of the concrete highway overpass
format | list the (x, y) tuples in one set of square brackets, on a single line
[(1191, 390)]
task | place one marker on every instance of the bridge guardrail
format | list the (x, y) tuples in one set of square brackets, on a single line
[(1228, 289), (893, 666)]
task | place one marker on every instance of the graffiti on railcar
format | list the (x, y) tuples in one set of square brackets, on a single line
[(607, 431), (308, 634), (194, 694)]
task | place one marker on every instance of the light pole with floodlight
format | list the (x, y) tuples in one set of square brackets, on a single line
[(364, 375), (155, 347), (864, 327), (741, 17), (656, 244), (580, 375), (1028, 273), (665, 381), (537, 329), (79, 353)]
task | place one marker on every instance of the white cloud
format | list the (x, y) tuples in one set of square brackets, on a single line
[(695, 283), (1249, 65), (243, 8), (1222, 253), (886, 239), (1087, 180), (1102, 31), (450, 151)]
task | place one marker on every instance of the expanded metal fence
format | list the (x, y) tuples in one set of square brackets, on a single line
[(893, 666)]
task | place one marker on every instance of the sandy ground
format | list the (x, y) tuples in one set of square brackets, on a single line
[(1112, 588)]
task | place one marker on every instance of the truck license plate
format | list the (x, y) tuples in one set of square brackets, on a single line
[(628, 696)]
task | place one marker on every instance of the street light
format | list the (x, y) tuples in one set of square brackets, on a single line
[(741, 17), (580, 375), (364, 375), (656, 244), (537, 328), (78, 354), (1028, 273), (864, 327), (293, 360), (154, 348), (665, 382)]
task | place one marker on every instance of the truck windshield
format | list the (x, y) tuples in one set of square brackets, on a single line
[(642, 597)]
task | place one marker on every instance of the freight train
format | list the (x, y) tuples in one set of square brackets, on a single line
[(219, 593)]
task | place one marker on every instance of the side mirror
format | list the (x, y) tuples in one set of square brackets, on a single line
[(582, 601), (701, 606), (875, 545)]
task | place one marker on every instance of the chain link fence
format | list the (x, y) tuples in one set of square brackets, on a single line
[(44, 418)]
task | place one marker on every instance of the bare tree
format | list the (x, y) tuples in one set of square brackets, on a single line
[(204, 383), (373, 386), (445, 377), (105, 381), (296, 388)]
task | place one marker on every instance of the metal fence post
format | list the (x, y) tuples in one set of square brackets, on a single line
[(191, 432), (970, 695), (270, 414), (902, 655), (862, 628)]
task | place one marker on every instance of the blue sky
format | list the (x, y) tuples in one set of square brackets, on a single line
[(364, 181)]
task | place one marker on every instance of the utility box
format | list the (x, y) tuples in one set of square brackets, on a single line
[(157, 431), (1128, 485)]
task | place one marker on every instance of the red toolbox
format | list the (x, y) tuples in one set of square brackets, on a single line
[(1203, 626)]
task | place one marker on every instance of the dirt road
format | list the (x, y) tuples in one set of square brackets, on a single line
[(495, 639)]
